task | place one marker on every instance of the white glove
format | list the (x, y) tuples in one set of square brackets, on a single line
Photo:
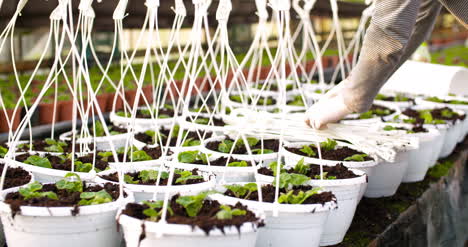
[(329, 109)]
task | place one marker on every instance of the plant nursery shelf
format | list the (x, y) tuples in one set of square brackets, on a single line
[(427, 213)]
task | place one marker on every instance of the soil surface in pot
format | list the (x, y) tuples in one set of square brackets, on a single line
[(65, 164), (146, 114), (270, 144), (260, 102), (15, 177), (438, 113), (397, 98), (339, 154), (205, 220), (218, 162), (413, 129), (43, 146), (338, 171), (375, 111), (137, 178), (155, 153), (268, 194), (216, 121), (66, 198), (164, 132)]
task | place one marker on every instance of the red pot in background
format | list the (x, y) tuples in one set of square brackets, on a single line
[(110, 102), (47, 113), (148, 93), (130, 96), (66, 110), (14, 118)]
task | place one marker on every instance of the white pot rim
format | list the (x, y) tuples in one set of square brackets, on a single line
[(102, 139), (65, 211), (210, 168), (423, 136), (184, 230), (208, 183), (114, 118), (281, 208), (246, 157), (423, 101), (317, 161), (361, 179)]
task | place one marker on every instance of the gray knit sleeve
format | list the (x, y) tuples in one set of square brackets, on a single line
[(386, 39), (459, 8)]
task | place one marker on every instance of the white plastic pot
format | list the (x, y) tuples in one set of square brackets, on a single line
[(223, 174), (48, 175), (146, 164), (174, 235), (216, 130), (374, 120), (347, 194), (295, 225), (264, 159), (6, 191), (140, 123), (291, 159), (146, 192), (451, 139), (102, 143), (459, 107), (387, 177), (94, 226), (421, 159)]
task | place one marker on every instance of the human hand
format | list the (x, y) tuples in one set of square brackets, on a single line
[(329, 109)]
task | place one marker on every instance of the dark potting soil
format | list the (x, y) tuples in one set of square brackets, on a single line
[(215, 121), (15, 177), (155, 153), (339, 171), (57, 164), (135, 175), (268, 194), (241, 149), (436, 114), (194, 135), (161, 112), (339, 154), (205, 220), (41, 145), (414, 129), (65, 197), (396, 99), (375, 109), (219, 162)]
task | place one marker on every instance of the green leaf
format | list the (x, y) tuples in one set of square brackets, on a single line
[(188, 157), (226, 213), (95, 198), (447, 113), (72, 186), (192, 204), (308, 151), (274, 167), (203, 121), (356, 157), (31, 191), (83, 167), (242, 163), (225, 146), (427, 116), (3, 151), (329, 145), (299, 198), (129, 179), (366, 115), (301, 167), (240, 191), (38, 161), (389, 128), (140, 155), (147, 175), (262, 151), (186, 176), (287, 180)]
